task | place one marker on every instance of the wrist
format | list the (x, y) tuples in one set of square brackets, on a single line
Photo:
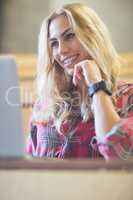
[(100, 96), (95, 88)]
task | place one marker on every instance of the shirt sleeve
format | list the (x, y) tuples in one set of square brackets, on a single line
[(31, 142), (38, 139), (37, 143), (43, 140), (118, 142)]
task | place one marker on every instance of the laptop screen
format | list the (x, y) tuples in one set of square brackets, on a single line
[(11, 136)]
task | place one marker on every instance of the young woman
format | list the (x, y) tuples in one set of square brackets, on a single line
[(81, 111)]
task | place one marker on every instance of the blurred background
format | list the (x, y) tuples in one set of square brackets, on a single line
[(20, 22)]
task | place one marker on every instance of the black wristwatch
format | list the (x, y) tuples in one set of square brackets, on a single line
[(102, 85)]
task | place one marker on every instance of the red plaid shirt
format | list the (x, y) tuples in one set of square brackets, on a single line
[(45, 141)]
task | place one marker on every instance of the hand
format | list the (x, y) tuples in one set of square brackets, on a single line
[(88, 70)]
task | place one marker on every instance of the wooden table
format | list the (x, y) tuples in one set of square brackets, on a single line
[(52, 179)]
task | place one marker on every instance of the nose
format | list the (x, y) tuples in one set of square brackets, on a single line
[(63, 47)]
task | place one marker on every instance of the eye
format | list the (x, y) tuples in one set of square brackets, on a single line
[(54, 44), (70, 35)]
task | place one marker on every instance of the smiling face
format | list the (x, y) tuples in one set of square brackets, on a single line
[(66, 47)]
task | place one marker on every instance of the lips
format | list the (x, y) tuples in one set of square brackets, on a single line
[(69, 60)]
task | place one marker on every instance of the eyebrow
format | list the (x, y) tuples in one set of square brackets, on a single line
[(62, 34)]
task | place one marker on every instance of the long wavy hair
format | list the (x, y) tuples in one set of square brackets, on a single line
[(57, 97)]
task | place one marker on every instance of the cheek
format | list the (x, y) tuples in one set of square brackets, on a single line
[(54, 55), (76, 45), (56, 58), (83, 51)]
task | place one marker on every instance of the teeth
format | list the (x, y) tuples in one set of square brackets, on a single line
[(69, 60)]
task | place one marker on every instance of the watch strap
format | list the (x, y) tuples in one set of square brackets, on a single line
[(95, 87)]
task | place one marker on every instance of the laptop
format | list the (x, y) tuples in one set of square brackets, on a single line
[(11, 134)]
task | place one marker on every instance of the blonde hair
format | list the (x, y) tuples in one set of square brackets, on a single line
[(54, 86)]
